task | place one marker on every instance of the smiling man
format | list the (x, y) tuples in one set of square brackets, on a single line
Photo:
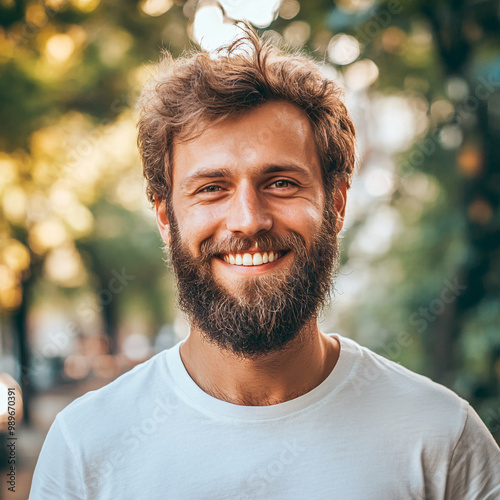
[(248, 157), (253, 251)]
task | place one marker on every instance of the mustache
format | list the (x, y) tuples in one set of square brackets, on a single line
[(265, 243)]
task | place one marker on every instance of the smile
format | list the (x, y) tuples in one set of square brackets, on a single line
[(252, 259)]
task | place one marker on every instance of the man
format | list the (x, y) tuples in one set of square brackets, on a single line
[(248, 156)]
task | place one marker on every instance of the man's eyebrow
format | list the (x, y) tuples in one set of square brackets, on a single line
[(274, 169), (211, 173), (205, 173)]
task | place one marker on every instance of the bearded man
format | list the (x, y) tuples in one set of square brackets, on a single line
[(248, 157)]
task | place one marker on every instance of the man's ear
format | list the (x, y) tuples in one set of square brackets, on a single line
[(340, 198), (162, 219)]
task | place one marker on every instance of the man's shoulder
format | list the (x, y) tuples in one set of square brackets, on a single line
[(136, 388), (404, 395), (377, 370)]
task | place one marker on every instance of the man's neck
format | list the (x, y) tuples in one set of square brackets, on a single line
[(271, 379)]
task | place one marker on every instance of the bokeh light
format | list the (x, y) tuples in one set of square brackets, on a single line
[(155, 7), (361, 74), (297, 33), (60, 47), (422, 207), (343, 49), (289, 9)]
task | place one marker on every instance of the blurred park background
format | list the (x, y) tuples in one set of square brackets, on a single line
[(84, 292)]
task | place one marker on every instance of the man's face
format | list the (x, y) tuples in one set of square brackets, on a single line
[(252, 233)]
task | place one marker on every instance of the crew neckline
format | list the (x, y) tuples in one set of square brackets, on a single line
[(193, 395)]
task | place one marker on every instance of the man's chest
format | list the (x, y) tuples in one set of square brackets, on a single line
[(274, 465)]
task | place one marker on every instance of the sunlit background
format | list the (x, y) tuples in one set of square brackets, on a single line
[(84, 292)]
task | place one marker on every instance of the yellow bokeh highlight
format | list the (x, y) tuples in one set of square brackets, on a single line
[(45, 141), (47, 234), (155, 7), (44, 173), (78, 34), (55, 4), (85, 5), (7, 44), (10, 289), (61, 198), (64, 266), (128, 193), (60, 48), (138, 76), (11, 298), (16, 256), (8, 170), (8, 278), (113, 46), (35, 14), (352, 6), (14, 204), (80, 220)]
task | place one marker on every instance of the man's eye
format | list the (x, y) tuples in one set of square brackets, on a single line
[(282, 184), (210, 189)]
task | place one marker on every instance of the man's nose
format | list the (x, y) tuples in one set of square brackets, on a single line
[(248, 213)]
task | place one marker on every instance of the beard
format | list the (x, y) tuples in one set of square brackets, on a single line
[(265, 313)]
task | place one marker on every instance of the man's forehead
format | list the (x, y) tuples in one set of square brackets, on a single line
[(274, 133), (279, 110)]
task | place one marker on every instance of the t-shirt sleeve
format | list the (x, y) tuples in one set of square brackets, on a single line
[(57, 475), (474, 472)]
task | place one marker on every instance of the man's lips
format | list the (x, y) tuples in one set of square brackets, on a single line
[(252, 258)]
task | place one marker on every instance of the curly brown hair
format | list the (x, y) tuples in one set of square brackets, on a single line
[(189, 93)]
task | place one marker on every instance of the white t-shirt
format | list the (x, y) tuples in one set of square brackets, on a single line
[(371, 430)]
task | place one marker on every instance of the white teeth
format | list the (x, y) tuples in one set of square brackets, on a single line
[(257, 259), (248, 259)]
